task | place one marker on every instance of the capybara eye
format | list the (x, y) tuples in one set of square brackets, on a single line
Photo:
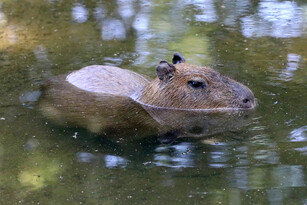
[(196, 84)]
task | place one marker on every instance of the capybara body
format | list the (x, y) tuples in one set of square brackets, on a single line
[(102, 98), (107, 80)]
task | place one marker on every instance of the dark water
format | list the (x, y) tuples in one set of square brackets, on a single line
[(263, 44)]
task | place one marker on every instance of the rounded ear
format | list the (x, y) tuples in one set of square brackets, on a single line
[(178, 58), (165, 70)]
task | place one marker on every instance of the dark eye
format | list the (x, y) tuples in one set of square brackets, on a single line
[(196, 84)]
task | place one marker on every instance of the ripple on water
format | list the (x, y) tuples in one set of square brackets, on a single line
[(113, 29), (111, 161), (303, 150), (283, 176), (260, 139), (220, 157), (298, 135), (276, 19), (79, 13), (113, 61), (293, 63), (85, 157), (175, 156)]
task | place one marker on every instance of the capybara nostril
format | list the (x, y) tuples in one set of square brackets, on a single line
[(246, 100)]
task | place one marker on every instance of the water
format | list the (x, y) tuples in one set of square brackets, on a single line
[(260, 43)]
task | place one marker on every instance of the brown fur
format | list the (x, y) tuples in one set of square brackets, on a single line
[(221, 91), (101, 98), (98, 112)]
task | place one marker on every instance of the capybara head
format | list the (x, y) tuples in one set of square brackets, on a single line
[(184, 86)]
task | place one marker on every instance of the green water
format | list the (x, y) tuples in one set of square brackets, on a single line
[(262, 44)]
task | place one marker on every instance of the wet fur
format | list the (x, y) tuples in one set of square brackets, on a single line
[(102, 98), (220, 91)]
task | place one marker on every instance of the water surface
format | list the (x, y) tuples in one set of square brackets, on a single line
[(260, 43)]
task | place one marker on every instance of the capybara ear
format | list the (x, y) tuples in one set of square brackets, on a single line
[(165, 70), (178, 58)]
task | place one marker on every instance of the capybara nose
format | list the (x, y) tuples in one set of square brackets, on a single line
[(248, 100)]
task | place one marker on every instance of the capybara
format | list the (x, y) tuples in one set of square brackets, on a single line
[(102, 98)]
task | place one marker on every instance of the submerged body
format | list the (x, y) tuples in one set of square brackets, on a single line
[(102, 98), (86, 106)]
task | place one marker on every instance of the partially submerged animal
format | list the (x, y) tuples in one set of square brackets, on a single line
[(186, 86), (102, 98)]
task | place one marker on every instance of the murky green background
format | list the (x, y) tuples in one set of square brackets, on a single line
[(263, 44)]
